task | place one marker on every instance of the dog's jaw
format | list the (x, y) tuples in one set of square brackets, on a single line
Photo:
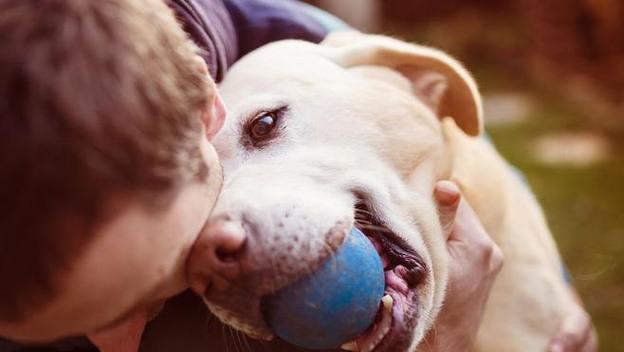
[(322, 205), (415, 304)]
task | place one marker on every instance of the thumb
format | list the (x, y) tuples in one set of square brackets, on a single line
[(573, 333), (448, 197)]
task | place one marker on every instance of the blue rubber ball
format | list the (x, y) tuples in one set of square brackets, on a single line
[(336, 303)]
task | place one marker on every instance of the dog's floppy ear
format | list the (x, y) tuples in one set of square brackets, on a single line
[(437, 79)]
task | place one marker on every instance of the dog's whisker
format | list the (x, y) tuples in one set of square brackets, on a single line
[(329, 249), (245, 342), (208, 319), (363, 211), (363, 214), (239, 339), (362, 218), (234, 335), (226, 339), (375, 228), (363, 223), (359, 217), (231, 338)]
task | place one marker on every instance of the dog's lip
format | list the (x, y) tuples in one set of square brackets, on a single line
[(402, 257), (396, 251), (405, 270), (402, 317), (404, 312)]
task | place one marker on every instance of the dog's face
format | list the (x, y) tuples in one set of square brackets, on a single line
[(321, 138)]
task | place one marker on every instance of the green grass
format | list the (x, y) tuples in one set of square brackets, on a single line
[(585, 210)]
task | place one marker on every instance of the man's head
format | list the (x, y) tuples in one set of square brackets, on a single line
[(107, 173)]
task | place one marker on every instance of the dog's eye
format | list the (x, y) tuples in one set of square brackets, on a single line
[(262, 126)]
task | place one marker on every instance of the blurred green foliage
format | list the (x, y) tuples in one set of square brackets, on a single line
[(584, 207)]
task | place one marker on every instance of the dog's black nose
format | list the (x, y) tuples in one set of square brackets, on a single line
[(214, 261)]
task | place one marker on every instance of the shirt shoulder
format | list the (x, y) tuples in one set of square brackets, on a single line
[(210, 26), (258, 22)]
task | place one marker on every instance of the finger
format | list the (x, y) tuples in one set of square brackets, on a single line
[(497, 259), (591, 345), (573, 333), (448, 197)]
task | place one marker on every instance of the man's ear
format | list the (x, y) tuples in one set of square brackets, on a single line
[(213, 116), (437, 80)]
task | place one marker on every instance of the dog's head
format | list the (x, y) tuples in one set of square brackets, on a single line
[(324, 137)]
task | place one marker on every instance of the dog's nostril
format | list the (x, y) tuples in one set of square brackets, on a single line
[(215, 259), (228, 256), (227, 241)]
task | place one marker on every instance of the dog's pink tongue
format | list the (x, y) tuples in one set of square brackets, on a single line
[(122, 337)]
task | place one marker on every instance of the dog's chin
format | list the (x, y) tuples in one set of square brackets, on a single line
[(406, 272)]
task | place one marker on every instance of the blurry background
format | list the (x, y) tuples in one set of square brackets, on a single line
[(552, 74)]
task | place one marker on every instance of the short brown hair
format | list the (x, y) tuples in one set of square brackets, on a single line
[(97, 97)]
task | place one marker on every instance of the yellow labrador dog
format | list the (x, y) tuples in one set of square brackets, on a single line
[(356, 131)]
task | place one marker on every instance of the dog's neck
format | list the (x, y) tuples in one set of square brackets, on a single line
[(481, 173)]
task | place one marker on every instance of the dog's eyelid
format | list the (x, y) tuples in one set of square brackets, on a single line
[(278, 109)]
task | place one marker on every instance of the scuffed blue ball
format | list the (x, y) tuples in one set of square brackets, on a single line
[(336, 303)]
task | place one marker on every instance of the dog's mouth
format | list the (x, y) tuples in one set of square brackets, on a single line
[(405, 271)]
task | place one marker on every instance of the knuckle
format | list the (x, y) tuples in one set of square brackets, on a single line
[(491, 255), (497, 258), (484, 246), (569, 337)]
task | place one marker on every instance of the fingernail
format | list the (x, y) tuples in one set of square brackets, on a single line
[(446, 193)]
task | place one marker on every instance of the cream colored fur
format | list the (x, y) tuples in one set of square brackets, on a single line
[(372, 113)]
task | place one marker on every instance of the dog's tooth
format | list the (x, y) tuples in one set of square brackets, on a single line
[(381, 330), (350, 346), (387, 301)]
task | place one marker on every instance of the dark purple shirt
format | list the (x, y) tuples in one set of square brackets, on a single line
[(227, 29)]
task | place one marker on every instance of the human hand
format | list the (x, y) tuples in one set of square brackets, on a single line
[(474, 262), (576, 333)]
